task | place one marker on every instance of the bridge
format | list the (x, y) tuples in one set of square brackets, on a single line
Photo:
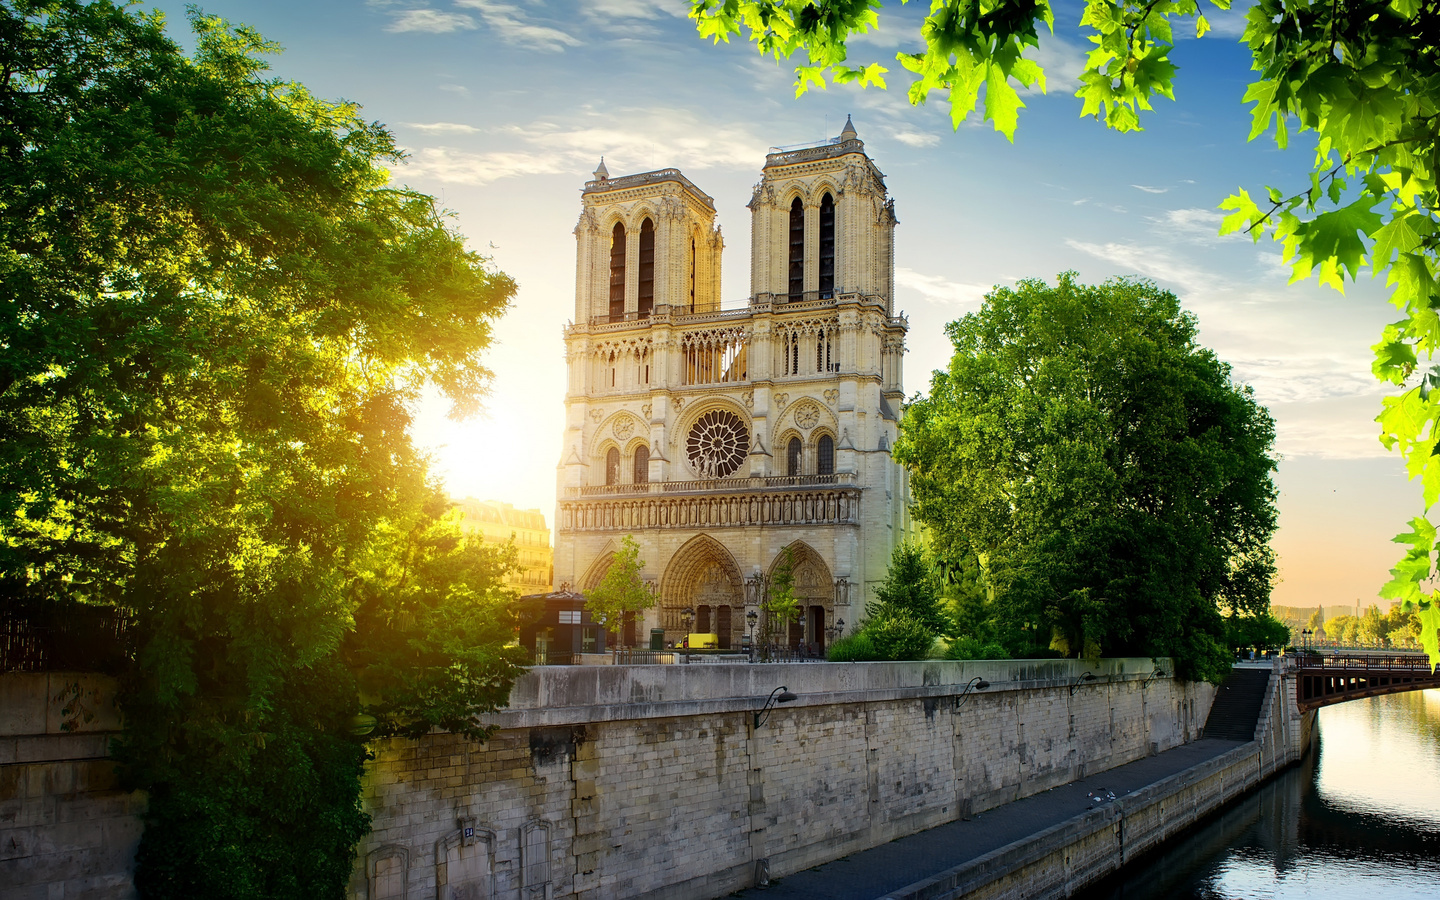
[(1325, 680)]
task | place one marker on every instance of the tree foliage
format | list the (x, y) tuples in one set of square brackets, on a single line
[(621, 590), (1110, 479), (1364, 75), (911, 589), (218, 315), (781, 607)]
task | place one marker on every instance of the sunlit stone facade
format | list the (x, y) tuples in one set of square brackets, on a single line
[(720, 437)]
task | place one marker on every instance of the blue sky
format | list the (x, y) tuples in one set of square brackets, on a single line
[(506, 107)]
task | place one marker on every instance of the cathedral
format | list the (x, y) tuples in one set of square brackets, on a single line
[(721, 438)]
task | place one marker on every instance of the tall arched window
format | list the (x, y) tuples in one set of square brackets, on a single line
[(642, 465), (797, 249), (825, 455), (647, 268), (692, 274), (792, 457), (612, 466), (617, 272), (827, 247)]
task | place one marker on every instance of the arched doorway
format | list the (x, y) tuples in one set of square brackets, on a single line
[(704, 577), (815, 596)]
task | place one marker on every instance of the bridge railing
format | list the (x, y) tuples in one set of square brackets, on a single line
[(1406, 662)]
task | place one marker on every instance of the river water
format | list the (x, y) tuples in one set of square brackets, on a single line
[(1359, 817)]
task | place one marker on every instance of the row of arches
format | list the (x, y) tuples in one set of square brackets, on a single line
[(704, 578), (639, 466), (817, 459)]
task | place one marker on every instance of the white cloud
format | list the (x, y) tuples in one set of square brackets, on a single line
[(916, 138), (1148, 189), (937, 289), (431, 21), (1196, 225), (1062, 61), (630, 141), (460, 167), (458, 89), (610, 10), (514, 26), (442, 127), (1152, 262)]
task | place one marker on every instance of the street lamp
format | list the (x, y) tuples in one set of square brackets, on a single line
[(976, 683), (688, 615), (780, 695), (1305, 634), (1076, 683), (751, 618)]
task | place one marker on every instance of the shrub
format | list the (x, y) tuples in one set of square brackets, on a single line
[(856, 647), (968, 647), (899, 637)]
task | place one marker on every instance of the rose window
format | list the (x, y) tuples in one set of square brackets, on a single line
[(717, 444)]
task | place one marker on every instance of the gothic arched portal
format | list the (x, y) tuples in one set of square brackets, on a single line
[(814, 594), (703, 576)]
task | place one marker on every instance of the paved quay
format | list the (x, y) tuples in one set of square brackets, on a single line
[(873, 873)]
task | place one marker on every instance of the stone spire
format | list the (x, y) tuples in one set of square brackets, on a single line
[(601, 173), (849, 133)]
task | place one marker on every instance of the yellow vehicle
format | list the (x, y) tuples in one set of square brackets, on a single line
[(699, 641)]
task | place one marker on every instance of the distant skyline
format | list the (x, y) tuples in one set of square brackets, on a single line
[(505, 109)]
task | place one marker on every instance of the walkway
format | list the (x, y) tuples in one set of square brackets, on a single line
[(872, 873)]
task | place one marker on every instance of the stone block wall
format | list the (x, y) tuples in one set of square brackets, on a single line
[(653, 781), (66, 829)]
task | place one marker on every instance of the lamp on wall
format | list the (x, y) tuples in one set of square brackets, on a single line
[(977, 683), (1158, 673), (1076, 683), (780, 695)]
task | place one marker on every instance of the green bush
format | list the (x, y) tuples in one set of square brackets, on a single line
[(854, 648), (899, 637), (968, 647)]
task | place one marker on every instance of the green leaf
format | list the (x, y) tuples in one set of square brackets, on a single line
[(1201, 26), (1002, 102)]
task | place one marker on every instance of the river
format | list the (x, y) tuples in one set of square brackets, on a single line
[(1359, 817)]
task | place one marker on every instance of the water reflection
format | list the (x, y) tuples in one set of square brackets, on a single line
[(1358, 817)]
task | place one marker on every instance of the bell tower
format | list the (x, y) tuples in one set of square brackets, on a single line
[(644, 241), (822, 225)]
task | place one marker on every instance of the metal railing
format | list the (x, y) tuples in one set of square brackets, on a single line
[(1396, 662), (53, 637), (710, 486)]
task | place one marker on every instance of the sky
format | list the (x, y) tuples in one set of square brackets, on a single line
[(505, 108)]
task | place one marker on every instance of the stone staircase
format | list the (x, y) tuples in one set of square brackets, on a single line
[(1236, 710)]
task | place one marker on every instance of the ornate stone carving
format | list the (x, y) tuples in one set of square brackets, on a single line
[(832, 397), (624, 427), (807, 415), (781, 400), (596, 415), (645, 411), (749, 397), (721, 509), (679, 403)]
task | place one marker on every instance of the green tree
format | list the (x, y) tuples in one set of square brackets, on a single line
[(1316, 623), (218, 315), (911, 589), (1361, 74), (1113, 480), (781, 606), (1258, 632), (621, 592)]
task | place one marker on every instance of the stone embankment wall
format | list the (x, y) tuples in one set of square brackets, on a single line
[(653, 781), (66, 830), (1060, 860)]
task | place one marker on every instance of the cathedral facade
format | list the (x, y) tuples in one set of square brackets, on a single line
[(721, 438)]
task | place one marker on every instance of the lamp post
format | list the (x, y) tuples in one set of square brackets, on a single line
[(751, 618), (1076, 683), (688, 615), (780, 695), (1305, 634), (976, 683)]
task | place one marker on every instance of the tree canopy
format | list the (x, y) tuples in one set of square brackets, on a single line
[(1363, 75), (621, 591), (1110, 478), (218, 314)]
